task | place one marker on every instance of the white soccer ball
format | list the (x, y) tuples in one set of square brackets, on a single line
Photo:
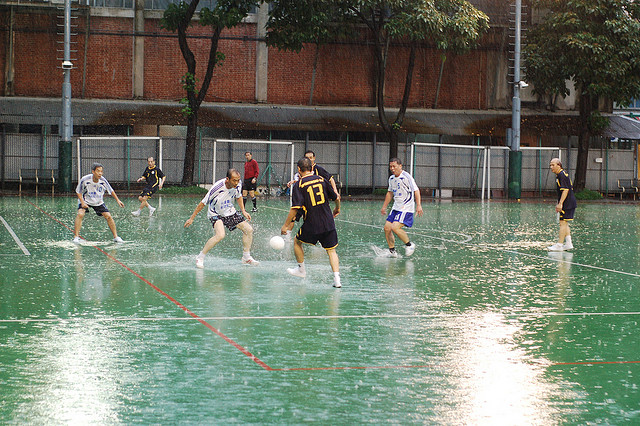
[(277, 243)]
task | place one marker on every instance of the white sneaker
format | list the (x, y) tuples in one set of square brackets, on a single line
[(118, 240), (253, 210), (336, 283), (556, 247), (250, 261), (77, 240), (151, 211), (297, 272), (567, 246), (408, 250), (393, 254), (200, 262), (136, 213)]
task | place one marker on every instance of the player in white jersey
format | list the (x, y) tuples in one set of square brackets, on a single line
[(406, 201), (222, 213), (90, 192)]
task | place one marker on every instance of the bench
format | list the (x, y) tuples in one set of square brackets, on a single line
[(38, 177), (628, 186)]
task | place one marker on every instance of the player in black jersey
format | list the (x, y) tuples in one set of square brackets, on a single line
[(155, 179), (565, 207), (310, 196)]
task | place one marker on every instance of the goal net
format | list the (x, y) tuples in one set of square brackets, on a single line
[(276, 161), (124, 157)]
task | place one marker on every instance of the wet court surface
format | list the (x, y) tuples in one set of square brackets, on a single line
[(480, 326)]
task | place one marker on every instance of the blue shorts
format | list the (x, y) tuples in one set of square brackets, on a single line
[(98, 209), (404, 218)]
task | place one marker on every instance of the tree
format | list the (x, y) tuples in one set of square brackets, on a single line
[(595, 43), (178, 18), (451, 25)]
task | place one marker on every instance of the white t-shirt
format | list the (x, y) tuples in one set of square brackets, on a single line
[(93, 192), (403, 188), (219, 199)]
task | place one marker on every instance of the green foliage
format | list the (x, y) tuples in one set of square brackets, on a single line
[(588, 194), (598, 123), (594, 43), (183, 190)]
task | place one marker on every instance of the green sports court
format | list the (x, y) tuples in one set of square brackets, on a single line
[(480, 326)]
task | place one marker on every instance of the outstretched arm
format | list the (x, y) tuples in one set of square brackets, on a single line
[(189, 221)]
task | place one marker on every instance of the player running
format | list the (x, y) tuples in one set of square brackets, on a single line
[(155, 179), (406, 201)]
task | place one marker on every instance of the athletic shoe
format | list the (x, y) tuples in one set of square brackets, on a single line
[(336, 283), (567, 246), (136, 213), (200, 262), (77, 240), (250, 261), (151, 210), (393, 254), (255, 209), (556, 247), (297, 272), (408, 250), (118, 240)]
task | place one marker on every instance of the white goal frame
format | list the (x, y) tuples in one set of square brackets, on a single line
[(113, 138), (253, 141), (486, 163)]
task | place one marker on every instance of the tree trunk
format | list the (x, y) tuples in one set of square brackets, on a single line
[(586, 109), (190, 149)]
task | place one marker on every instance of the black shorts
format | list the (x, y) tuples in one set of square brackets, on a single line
[(247, 185), (98, 209), (567, 214), (231, 222), (328, 239), (148, 191)]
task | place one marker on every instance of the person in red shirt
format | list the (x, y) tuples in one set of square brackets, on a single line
[(251, 172)]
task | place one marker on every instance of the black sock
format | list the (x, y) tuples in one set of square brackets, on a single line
[(244, 200), (254, 201), (392, 249), (408, 244)]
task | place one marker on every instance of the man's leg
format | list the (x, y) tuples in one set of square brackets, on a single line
[(397, 229), (564, 231), (247, 236), (219, 234), (111, 223), (388, 233), (78, 223), (252, 194), (335, 267)]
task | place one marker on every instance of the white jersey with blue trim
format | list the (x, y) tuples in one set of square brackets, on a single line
[(93, 192), (219, 199), (403, 188)]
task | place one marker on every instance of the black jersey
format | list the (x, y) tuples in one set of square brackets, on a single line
[(311, 194), (153, 176), (563, 183), (317, 170)]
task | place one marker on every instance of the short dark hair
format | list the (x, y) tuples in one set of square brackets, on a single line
[(94, 166), (304, 164), (247, 152), (231, 172), (395, 160), (309, 152)]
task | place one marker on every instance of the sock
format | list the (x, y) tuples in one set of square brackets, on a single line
[(201, 255), (246, 254), (408, 244), (301, 266), (567, 239), (392, 249), (254, 201), (244, 200), (336, 277)]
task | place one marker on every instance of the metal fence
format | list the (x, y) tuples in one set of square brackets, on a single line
[(358, 165)]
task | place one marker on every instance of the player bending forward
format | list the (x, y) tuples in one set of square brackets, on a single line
[(222, 213), (406, 201), (311, 195)]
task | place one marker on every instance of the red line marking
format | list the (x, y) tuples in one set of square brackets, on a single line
[(256, 359)]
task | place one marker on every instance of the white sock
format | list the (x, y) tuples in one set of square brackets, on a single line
[(567, 239), (301, 266), (246, 254), (336, 277), (201, 255)]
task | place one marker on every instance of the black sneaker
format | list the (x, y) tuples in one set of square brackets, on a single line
[(255, 209)]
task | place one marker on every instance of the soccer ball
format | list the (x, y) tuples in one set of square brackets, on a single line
[(276, 243)]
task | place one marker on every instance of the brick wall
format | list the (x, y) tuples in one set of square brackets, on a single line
[(344, 73)]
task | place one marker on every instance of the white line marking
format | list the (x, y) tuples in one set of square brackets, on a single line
[(314, 317), (484, 247), (15, 237)]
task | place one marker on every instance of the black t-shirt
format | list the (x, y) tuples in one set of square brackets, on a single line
[(311, 194), (317, 170), (152, 176), (564, 182)]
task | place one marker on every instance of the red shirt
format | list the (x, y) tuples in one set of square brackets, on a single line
[(251, 169)]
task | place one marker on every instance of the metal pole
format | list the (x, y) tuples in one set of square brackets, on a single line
[(65, 147), (515, 155)]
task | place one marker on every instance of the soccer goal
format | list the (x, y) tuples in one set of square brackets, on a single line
[(276, 160), (118, 154), (476, 169)]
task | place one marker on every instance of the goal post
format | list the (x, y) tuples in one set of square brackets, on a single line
[(267, 162), (470, 166), (117, 153)]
